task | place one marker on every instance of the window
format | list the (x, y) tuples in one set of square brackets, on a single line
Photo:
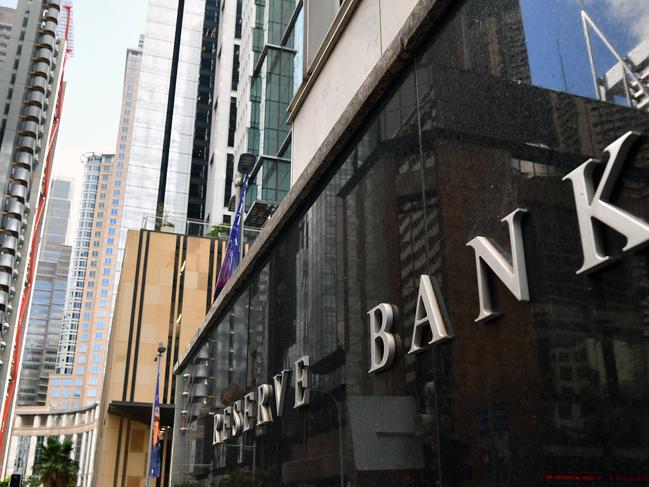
[(235, 69), (99, 336), (97, 347), (106, 272), (80, 370), (233, 121)]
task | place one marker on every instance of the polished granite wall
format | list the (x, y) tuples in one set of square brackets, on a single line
[(551, 390)]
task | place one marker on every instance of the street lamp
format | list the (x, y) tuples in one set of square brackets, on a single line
[(340, 433), (161, 350), (246, 162)]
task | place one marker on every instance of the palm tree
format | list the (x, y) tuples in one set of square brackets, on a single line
[(55, 467)]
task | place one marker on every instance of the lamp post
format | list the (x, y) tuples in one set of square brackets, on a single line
[(161, 350), (340, 434), (244, 166)]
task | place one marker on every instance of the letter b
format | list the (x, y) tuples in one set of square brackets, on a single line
[(382, 342)]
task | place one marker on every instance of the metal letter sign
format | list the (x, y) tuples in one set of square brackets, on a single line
[(280, 381), (593, 203), (428, 313), (382, 342), (302, 382), (513, 276)]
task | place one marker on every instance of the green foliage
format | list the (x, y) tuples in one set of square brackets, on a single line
[(32, 481), (55, 467), (238, 478), (5, 482), (217, 229), (187, 483)]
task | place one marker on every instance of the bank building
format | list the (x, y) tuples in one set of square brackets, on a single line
[(455, 290)]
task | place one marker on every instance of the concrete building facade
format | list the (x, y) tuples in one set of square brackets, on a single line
[(224, 121)]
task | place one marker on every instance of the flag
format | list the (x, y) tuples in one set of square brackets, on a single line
[(232, 251), (156, 446)]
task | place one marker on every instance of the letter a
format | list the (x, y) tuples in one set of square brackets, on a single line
[(428, 313), (591, 203), (513, 276)]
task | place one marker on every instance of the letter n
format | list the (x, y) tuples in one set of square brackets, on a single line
[(591, 203), (513, 276)]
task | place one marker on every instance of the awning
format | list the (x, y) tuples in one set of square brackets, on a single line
[(141, 411)]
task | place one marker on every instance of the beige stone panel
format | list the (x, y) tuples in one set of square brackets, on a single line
[(314, 121)]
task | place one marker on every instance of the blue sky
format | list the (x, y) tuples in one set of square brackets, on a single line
[(554, 26)]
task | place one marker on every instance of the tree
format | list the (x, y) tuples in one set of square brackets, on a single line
[(55, 467)]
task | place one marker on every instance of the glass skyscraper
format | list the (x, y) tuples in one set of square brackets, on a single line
[(46, 311), (167, 173)]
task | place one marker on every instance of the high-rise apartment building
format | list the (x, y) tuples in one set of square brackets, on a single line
[(30, 102), (92, 285), (84, 332), (123, 144), (6, 24), (46, 310)]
